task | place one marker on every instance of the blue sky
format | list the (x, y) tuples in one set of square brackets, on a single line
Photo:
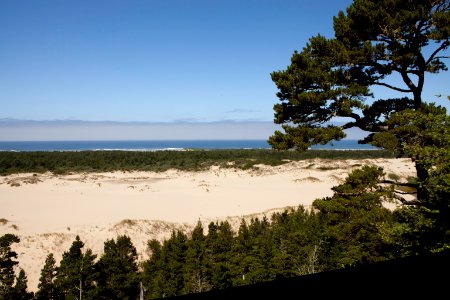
[(154, 61)]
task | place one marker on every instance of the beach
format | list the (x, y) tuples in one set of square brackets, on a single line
[(46, 211)]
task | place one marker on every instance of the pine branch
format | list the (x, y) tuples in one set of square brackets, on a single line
[(407, 202), (409, 184)]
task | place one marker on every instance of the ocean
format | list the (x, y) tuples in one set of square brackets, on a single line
[(161, 145)]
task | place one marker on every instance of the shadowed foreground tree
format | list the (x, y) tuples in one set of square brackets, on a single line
[(163, 273), (355, 220), (7, 264), (46, 286), (20, 288), (423, 135), (196, 280), (374, 39), (118, 271), (11, 287), (218, 246), (154, 271), (297, 238), (75, 278)]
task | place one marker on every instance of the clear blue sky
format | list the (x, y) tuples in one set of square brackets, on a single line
[(154, 60)]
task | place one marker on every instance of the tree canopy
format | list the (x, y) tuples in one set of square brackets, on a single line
[(423, 135), (9, 290), (118, 270), (374, 42), (46, 286), (75, 277), (7, 264)]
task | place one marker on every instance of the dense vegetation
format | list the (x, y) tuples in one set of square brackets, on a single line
[(102, 161), (388, 43), (374, 42), (348, 229)]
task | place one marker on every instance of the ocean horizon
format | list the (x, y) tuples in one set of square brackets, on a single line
[(159, 145)]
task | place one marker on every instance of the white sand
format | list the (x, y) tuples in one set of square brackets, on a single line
[(47, 211)]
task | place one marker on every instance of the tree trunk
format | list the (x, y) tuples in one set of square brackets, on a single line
[(422, 175), (81, 290), (417, 98)]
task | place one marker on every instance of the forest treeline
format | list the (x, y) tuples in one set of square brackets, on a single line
[(104, 161)]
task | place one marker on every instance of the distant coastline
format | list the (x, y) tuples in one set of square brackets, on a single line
[(155, 145)]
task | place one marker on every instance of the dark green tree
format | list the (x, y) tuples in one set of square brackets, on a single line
[(423, 135), (356, 224), (163, 274), (259, 257), (195, 269), (154, 272), (20, 288), (76, 275), (174, 251), (240, 249), (284, 260), (46, 286), (118, 270), (375, 40), (296, 242), (218, 249), (7, 264)]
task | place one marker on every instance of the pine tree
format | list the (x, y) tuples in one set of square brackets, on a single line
[(7, 265), (174, 253), (118, 270), (154, 273), (196, 280), (284, 259), (260, 255), (355, 220), (20, 288), (46, 286), (219, 244), (163, 274), (375, 42), (76, 275), (423, 135), (241, 247)]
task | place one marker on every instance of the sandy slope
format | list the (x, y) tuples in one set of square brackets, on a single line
[(47, 211)]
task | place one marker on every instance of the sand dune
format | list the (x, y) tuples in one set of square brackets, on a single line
[(47, 211)]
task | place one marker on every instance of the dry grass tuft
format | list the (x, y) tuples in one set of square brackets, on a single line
[(126, 222), (308, 179)]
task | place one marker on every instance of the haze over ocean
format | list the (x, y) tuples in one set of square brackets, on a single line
[(161, 145)]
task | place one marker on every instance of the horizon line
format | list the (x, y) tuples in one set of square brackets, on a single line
[(112, 122)]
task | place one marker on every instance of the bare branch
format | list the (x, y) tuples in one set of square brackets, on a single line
[(350, 115), (441, 47), (409, 184), (404, 193), (393, 87), (407, 202)]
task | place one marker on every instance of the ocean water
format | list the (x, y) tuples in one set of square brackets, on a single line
[(161, 145)]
